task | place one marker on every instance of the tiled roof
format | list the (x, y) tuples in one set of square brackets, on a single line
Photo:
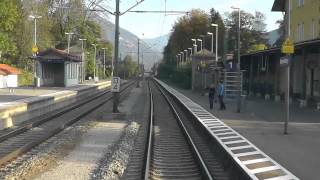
[(4, 68), (3, 73), (66, 56)]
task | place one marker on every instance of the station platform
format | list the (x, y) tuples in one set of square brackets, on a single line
[(261, 122), (24, 103)]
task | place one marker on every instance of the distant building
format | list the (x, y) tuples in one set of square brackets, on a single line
[(58, 68), (265, 76), (8, 76)]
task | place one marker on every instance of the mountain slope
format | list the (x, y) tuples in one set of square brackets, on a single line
[(128, 44)]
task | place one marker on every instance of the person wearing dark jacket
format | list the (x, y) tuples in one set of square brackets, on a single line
[(221, 95), (212, 92)]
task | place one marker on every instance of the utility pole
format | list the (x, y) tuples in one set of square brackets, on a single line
[(83, 60), (116, 56), (288, 74), (69, 39), (138, 81)]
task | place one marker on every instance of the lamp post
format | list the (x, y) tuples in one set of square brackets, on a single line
[(179, 59), (69, 39), (104, 61), (195, 45), (94, 61), (200, 40), (182, 57), (239, 63), (217, 36), (190, 51), (186, 56), (83, 61), (35, 18)]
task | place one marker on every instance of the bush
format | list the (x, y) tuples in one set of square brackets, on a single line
[(180, 76), (25, 78)]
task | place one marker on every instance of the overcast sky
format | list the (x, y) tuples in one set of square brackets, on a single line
[(154, 25)]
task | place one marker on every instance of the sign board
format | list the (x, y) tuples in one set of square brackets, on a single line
[(284, 61), (34, 49), (287, 47), (115, 84)]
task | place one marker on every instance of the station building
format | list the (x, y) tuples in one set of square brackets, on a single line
[(263, 72), (8, 76), (57, 68)]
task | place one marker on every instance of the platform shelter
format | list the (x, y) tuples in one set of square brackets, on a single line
[(57, 68)]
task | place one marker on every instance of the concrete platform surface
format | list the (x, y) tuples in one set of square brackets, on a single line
[(262, 124), (28, 92)]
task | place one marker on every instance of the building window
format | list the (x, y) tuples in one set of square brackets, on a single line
[(300, 32), (313, 29), (300, 3)]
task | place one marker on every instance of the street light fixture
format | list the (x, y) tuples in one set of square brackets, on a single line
[(69, 39), (200, 40), (186, 51), (182, 56), (217, 37), (104, 61), (35, 18), (238, 64), (83, 59), (94, 62)]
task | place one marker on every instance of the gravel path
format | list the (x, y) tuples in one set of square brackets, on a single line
[(79, 163)]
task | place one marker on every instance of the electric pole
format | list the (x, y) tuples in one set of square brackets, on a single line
[(116, 56), (138, 81)]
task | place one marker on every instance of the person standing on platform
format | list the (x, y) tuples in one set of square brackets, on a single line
[(212, 92), (221, 95)]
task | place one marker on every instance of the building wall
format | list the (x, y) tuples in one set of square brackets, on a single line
[(2, 81), (71, 74), (305, 20)]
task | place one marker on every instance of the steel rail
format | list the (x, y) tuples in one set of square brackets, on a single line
[(204, 168), (34, 142), (45, 118), (150, 135)]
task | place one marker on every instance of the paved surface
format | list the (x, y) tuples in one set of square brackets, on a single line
[(27, 92), (261, 123)]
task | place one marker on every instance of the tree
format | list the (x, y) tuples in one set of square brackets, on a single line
[(187, 27), (252, 29), (9, 16), (281, 32), (216, 18), (128, 68)]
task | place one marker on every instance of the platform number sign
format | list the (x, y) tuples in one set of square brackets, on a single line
[(115, 84)]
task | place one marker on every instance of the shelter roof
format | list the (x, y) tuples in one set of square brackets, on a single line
[(59, 55)]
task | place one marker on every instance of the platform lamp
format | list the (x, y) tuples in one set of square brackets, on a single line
[(200, 40), (94, 61), (195, 45), (239, 63), (186, 58), (104, 61), (69, 39)]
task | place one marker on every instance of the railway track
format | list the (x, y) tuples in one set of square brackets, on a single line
[(184, 141), (17, 141), (171, 152)]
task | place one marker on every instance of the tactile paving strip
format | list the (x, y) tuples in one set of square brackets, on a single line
[(251, 159)]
